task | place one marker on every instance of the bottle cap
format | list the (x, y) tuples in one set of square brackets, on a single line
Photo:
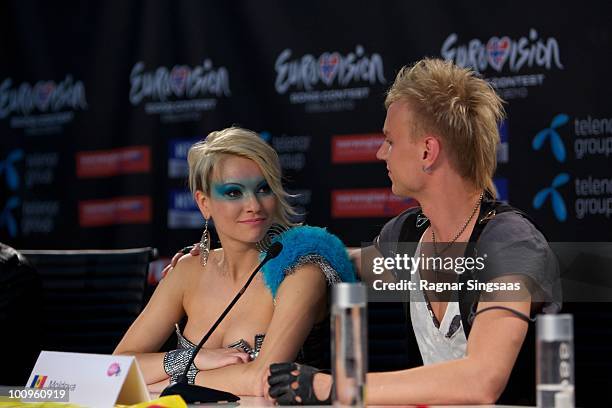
[(554, 327), (349, 295)]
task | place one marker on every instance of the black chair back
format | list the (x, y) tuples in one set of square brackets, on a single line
[(21, 316), (90, 297)]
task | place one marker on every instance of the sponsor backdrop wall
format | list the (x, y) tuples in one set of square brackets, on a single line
[(99, 104), (100, 101)]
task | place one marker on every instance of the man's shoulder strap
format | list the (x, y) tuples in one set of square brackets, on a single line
[(414, 225), (492, 208)]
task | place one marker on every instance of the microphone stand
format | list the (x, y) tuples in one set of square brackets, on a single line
[(195, 393)]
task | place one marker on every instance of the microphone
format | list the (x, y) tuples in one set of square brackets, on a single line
[(195, 393)]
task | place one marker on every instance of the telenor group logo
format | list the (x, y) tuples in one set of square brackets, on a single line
[(7, 216), (38, 215), (293, 150), (44, 107), (333, 73), (8, 169), (551, 134), (592, 187), (558, 203), (505, 54)]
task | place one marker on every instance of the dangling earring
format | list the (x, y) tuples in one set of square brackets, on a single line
[(275, 229), (426, 170), (205, 244)]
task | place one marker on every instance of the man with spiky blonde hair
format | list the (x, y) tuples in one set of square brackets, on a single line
[(441, 134)]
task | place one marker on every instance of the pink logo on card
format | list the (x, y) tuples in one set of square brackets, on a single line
[(113, 370)]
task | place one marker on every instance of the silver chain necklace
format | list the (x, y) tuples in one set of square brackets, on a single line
[(433, 234)]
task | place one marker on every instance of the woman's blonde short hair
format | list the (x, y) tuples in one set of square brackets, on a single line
[(461, 108), (205, 154)]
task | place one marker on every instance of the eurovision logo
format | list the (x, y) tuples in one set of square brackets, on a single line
[(307, 71), (179, 93), (499, 52), (508, 56), (42, 97), (43, 107), (343, 78), (180, 81)]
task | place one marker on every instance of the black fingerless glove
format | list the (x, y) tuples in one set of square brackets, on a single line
[(282, 377)]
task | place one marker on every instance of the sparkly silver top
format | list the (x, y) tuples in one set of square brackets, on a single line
[(242, 345)]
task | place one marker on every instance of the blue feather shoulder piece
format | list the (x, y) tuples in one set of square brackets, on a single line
[(306, 244)]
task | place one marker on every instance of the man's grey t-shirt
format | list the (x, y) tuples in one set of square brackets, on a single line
[(513, 245)]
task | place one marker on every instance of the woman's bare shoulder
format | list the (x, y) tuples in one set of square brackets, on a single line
[(187, 268), (190, 266)]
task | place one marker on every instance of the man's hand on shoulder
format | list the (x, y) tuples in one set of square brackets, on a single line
[(193, 250)]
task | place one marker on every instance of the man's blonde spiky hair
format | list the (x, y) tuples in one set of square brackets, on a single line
[(460, 108)]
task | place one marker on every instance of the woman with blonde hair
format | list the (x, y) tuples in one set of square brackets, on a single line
[(235, 178)]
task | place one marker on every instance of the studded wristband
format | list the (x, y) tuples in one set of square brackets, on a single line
[(175, 362)]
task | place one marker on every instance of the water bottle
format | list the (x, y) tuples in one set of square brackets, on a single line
[(349, 344), (555, 361)]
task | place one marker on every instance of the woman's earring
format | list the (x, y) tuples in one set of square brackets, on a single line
[(275, 229), (205, 245), (426, 170)]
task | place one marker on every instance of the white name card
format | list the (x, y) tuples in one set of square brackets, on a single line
[(93, 380)]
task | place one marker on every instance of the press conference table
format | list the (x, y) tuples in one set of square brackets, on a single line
[(262, 402)]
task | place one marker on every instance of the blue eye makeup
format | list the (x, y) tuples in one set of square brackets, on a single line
[(239, 189), (263, 188), (229, 191)]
